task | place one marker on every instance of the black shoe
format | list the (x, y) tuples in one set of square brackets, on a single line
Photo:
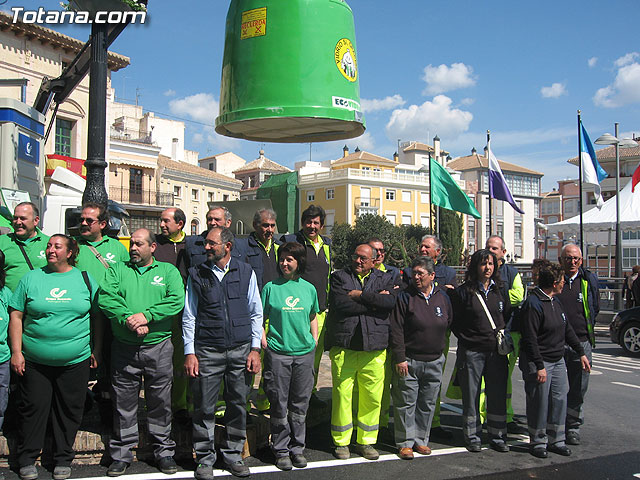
[(204, 472), (298, 460), (563, 450), (167, 465), (441, 433), (516, 429), (501, 447), (539, 452), (474, 448), (284, 463), (117, 468), (238, 469), (573, 438)]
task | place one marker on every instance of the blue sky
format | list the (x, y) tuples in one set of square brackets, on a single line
[(448, 67)]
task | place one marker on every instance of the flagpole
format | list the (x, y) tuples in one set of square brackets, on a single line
[(430, 215), (489, 185), (580, 182)]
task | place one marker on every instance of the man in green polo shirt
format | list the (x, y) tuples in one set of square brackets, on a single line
[(24, 248), (98, 252), (142, 298)]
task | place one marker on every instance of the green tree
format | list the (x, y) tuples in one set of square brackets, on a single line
[(451, 236)]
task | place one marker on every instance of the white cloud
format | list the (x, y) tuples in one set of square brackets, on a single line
[(554, 91), (363, 142), (626, 59), (221, 142), (197, 138), (201, 107), (467, 101), (592, 62), (432, 117), (170, 93), (624, 90), (442, 78), (386, 103)]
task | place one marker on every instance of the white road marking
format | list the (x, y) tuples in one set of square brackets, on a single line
[(613, 369), (311, 465), (617, 357), (626, 384), (616, 364)]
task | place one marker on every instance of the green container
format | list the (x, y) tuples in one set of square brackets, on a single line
[(290, 72)]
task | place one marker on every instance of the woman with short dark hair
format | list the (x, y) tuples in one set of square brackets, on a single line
[(50, 330), (477, 354), (419, 325), (545, 331), (290, 304)]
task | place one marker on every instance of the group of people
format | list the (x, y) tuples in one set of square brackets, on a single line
[(194, 318)]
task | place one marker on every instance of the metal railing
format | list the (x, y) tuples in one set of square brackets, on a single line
[(131, 135), (142, 197)]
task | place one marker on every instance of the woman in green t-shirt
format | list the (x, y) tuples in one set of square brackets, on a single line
[(290, 303), (50, 332), (5, 353)]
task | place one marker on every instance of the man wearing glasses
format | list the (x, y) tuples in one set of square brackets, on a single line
[(378, 246), (99, 252), (360, 301), (580, 300)]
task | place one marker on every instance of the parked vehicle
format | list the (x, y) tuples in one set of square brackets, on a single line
[(625, 330)]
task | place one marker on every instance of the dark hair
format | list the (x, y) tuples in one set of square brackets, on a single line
[(102, 210), (424, 262), (3, 273), (314, 211), (471, 275), (549, 274), (179, 216), (297, 251), (226, 235), (72, 246), (34, 207), (225, 210)]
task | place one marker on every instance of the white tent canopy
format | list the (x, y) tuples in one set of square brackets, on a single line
[(604, 219)]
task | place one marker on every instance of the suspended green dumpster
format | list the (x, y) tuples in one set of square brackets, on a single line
[(282, 189), (290, 72)]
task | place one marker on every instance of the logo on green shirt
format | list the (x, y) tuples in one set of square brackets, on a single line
[(291, 304), (157, 281), (56, 295), (110, 257), (42, 255)]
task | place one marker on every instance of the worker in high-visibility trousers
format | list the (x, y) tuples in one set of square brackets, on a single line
[(360, 301), (512, 290)]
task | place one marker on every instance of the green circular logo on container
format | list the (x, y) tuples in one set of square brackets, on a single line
[(345, 57)]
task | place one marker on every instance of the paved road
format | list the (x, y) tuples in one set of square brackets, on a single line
[(610, 448)]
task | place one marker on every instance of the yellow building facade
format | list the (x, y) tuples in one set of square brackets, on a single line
[(361, 183)]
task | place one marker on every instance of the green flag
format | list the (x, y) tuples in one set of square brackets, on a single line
[(446, 193)]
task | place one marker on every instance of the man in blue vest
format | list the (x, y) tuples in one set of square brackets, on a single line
[(580, 299), (222, 329)]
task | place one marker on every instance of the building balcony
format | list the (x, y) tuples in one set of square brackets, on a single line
[(131, 136), (365, 205), (141, 197), (417, 180)]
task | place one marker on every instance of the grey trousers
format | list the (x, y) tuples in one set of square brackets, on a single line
[(130, 365), (215, 366), (547, 405), (288, 382), (472, 366), (414, 401), (578, 384)]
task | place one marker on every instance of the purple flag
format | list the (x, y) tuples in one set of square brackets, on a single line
[(498, 188)]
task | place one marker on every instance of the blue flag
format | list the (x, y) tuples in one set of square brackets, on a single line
[(592, 172), (498, 187)]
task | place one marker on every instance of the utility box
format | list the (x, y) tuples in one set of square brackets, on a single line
[(21, 149)]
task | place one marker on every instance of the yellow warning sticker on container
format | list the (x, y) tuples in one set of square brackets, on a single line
[(345, 57), (254, 23)]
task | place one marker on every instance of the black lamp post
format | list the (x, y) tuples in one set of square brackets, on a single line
[(95, 164)]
